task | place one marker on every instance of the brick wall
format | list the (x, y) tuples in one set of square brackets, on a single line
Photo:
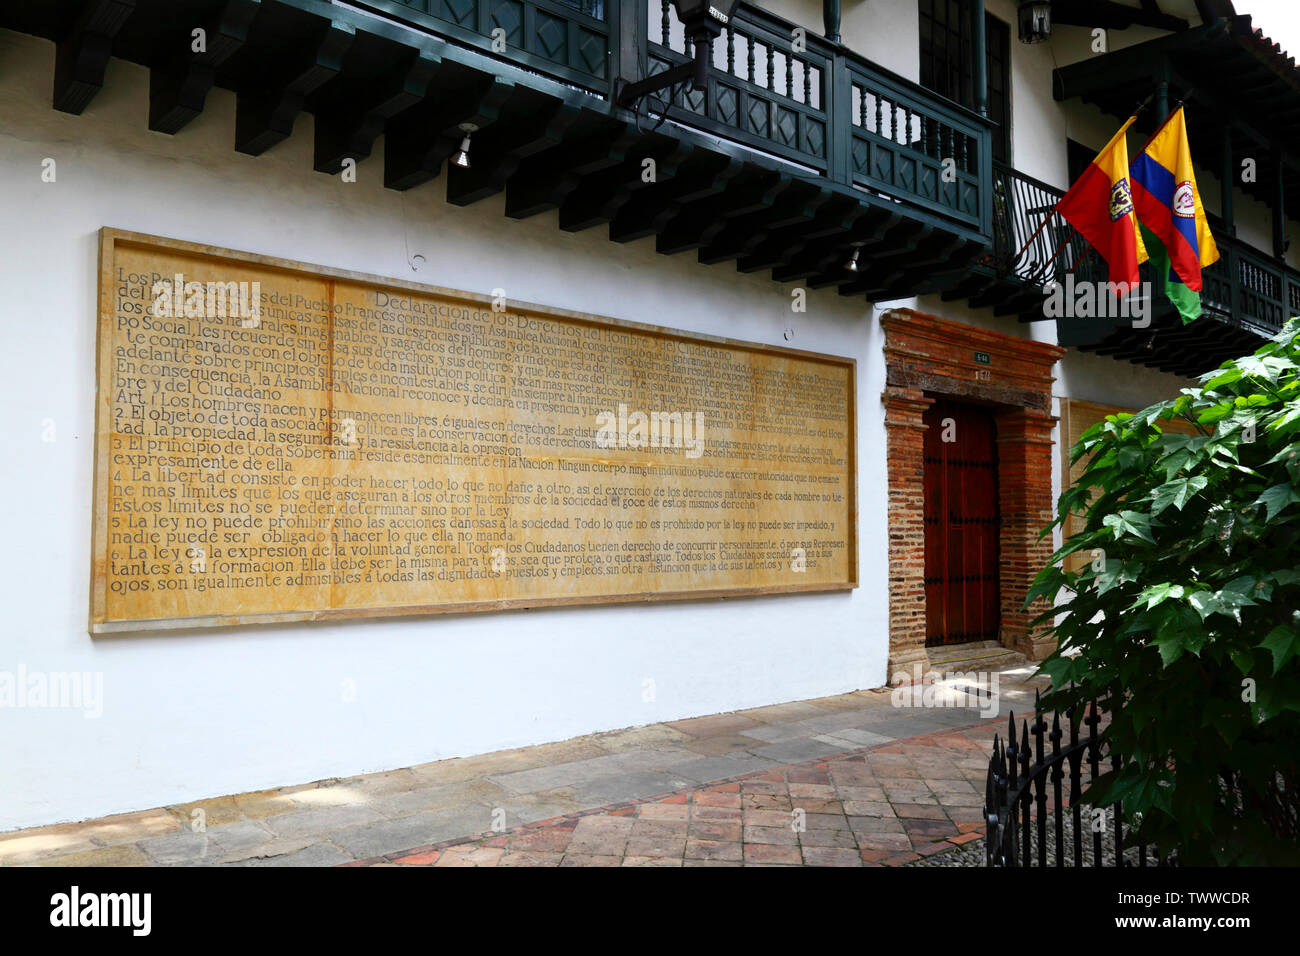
[(925, 357), (1025, 506), (906, 436)]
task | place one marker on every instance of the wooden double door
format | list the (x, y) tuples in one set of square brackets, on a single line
[(961, 524)]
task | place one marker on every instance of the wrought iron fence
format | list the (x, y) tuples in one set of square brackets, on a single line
[(1027, 825), (1032, 242)]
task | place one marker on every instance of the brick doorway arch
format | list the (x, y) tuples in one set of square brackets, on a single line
[(927, 357)]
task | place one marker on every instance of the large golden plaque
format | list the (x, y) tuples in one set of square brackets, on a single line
[(278, 442)]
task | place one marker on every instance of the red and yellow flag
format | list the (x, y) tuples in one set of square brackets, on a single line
[(1100, 206)]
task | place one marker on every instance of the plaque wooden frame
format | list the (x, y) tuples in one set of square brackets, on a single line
[(111, 238)]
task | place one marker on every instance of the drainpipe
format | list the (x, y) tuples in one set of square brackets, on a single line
[(831, 19), (979, 69)]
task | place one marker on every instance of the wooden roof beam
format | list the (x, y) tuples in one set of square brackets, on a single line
[(265, 113), (750, 199), (1088, 81), (1116, 16), (82, 56), (351, 133), (836, 220), (179, 88), (420, 140), (703, 175), (797, 208), (544, 181), (598, 198), (531, 123), (1100, 74)]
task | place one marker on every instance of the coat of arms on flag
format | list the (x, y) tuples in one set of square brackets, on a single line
[(1121, 200)]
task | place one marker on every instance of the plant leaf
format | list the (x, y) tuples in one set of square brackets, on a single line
[(1275, 499), (1281, 642)]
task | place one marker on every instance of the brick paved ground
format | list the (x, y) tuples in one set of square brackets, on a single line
[(886, 805), (873, 778)]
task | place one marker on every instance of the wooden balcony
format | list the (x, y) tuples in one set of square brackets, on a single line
[(1247, 295), (789, 160)]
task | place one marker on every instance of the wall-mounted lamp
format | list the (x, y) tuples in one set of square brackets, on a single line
[(1035, 20), (461, 158), (702, 20), (852, 264)]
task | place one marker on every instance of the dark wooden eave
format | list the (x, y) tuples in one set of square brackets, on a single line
[(1167, 345), (1252, 99), (1114, 16), (545, 144)]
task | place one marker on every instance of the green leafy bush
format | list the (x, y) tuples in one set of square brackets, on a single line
[(1185, 623)]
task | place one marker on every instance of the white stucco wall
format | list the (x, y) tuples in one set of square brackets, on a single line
[(194, 715)]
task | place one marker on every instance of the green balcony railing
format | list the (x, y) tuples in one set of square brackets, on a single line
[(568, 40), (1246, 287), (761, 92), (777, 90), (1251, 288)]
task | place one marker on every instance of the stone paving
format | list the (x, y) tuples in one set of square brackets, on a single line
[(845, 760), (891, 804)]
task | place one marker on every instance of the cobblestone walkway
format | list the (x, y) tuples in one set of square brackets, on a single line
[(877, 779), (890, 805)]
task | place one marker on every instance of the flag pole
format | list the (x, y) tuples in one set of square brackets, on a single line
[(1041, 227), (1042, 270), (1186, 96)]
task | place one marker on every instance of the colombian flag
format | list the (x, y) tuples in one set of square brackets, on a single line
[(1169, 204), (1100, 206), (1187, 302)]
